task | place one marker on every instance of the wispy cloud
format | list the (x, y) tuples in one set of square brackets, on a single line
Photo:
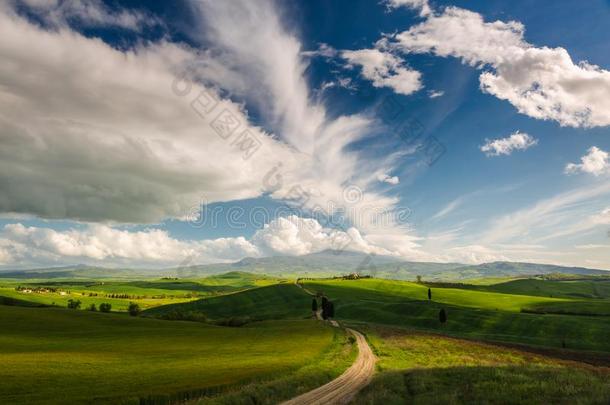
[(449, 208)]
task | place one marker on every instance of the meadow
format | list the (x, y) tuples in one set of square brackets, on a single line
[(119, 293), (59, 356), (423, 368), (255, 342)]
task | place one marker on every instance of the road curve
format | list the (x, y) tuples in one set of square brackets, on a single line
[(343, 388)]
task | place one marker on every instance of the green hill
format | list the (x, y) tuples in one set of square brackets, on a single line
[(475, 314), (597, 289), (279, 301)]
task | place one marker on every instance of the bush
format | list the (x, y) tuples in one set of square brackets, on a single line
[(74, 304), (134, 309), (105, 307), (92, 308)]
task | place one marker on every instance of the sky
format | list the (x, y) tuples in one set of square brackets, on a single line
[(154, 134)]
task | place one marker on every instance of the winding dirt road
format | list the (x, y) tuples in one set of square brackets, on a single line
[(343, 388)]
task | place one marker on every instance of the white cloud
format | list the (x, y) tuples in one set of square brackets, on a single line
[(107, 245), (506, 146), (595, 162), (435, 93), (94, 13), (93, 133), (293, 235), (592, 247), (98, 134), (421, 5), (559, 215), (384, 70), (102, 244), (323, 50), (541, 82), (386, 178)]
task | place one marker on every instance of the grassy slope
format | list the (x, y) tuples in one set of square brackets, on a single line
[(400, 303), (52, 355), (397, 291), (280, 301), (431, 369)]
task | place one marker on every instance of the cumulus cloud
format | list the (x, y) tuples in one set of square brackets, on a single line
[(541, 82), (506, 146), (384, 70), (103, 244), (293, 235), (595, 162)]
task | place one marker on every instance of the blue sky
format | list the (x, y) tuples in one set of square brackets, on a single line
[(105, 162)]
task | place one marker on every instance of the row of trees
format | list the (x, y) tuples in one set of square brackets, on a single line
[(133, 309)]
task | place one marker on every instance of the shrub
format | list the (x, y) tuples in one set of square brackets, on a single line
[(74, 304), (92, 308), (134, 309), (105, 307)]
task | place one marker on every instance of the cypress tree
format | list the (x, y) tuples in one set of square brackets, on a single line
[(442, 315)]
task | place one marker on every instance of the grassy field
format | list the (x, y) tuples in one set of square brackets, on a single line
[(50, 354), (550, 288), (119, 293), (59, 356), (398, 291), (473, 314), (421, 368)]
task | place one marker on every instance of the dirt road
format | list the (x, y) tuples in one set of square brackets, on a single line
[(343, 388)]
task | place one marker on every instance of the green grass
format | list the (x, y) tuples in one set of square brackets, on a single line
[(280, 301), (397, 291), (338, 357), (421, 368), (55, 299), (586, 308), (405, 304), (147, 293), (59, 356), (568, 289)]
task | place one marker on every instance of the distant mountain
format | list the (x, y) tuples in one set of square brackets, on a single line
[(321, 264), (502, 269)]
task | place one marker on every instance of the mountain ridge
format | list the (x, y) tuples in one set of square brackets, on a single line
[(320, 264)]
